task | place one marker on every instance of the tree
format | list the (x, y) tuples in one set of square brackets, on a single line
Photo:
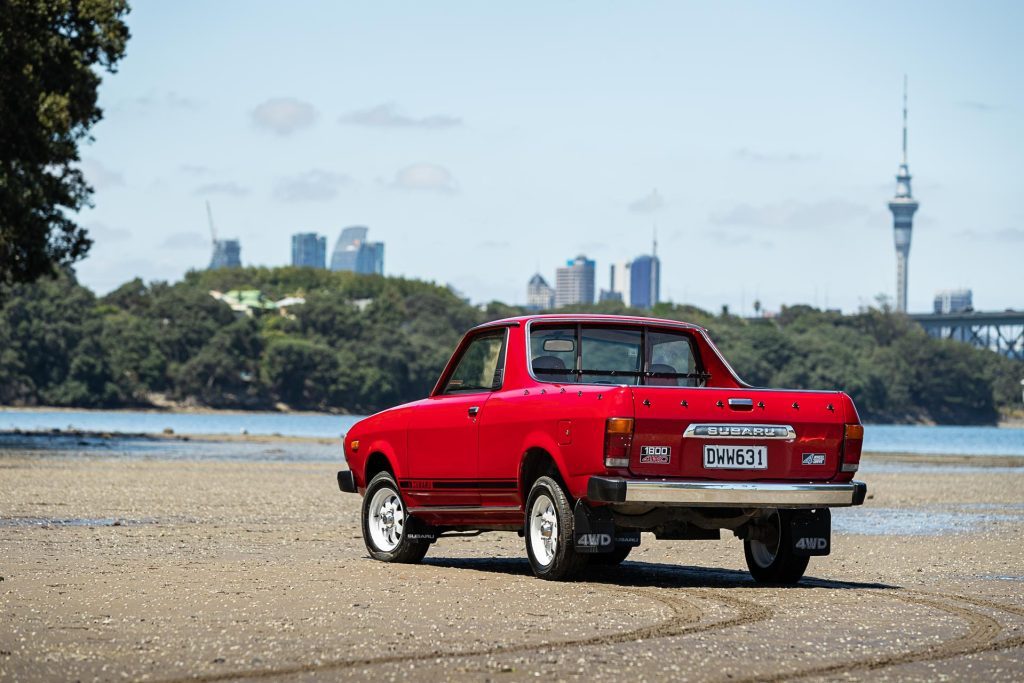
[(49, 51)]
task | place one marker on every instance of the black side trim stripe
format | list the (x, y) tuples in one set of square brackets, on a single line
[(490, 484)]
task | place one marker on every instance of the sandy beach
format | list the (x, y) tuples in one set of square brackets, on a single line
[(150, 569)]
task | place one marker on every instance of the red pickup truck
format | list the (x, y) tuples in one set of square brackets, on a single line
[(579, 432)]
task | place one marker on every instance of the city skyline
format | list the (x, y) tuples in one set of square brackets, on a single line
[(781, 165)]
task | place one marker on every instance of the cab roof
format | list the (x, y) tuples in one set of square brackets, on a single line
[(587, 317)]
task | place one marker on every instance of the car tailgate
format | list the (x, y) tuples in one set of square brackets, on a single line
[(791, 435)]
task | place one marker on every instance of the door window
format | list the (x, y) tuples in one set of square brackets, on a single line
[(481, 365)]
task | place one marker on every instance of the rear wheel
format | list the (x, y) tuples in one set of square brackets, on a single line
[(770, 557), (385, 519), (549, 532)]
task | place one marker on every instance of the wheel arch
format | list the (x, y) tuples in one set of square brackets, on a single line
[(535, 463), (376, 463)]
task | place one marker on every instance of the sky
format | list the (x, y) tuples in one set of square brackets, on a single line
[(484, 142)]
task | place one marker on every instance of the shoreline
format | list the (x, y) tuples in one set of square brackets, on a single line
[(1014, 421), (945, 459)]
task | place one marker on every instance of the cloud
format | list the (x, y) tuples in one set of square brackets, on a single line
[(792, 214), (103, 233), (229, 188), (166, 100), (284, 115), (426, 177), (311, 186), (388, 115), (194, 169), (1012, 235), (648, 203), (186, 240), (99, 176), (734, 238), (979, 106), (747, 154)]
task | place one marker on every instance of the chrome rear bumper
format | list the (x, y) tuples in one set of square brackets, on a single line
[(724, 494)]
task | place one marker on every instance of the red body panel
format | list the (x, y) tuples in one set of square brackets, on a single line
[(462, 467)]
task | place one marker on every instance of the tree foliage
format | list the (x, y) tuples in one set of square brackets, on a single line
[(362, 343), (51, 52)]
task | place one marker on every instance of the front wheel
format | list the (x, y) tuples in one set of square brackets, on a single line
[(385, 520), (549, 532), (770, 557)]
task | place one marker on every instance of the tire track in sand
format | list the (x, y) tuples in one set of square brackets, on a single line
[(684, 620), (982, 636)]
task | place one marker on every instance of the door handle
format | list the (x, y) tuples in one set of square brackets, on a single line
[(473, 410), (741, 403)]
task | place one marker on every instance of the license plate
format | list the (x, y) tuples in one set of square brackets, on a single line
[(735, 457)]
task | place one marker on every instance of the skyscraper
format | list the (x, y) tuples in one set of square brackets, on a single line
[(574, 284), (622, 280), (226, 254), (645, 281), (353, 253), (903, 206), (309, 250), (539, 295)]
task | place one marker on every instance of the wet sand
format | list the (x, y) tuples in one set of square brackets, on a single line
[(148, 569)]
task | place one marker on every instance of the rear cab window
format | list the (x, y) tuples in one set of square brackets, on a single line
[(609, 354)]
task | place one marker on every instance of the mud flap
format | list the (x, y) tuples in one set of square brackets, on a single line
[(594, 531), (416, 529), (810, 532)]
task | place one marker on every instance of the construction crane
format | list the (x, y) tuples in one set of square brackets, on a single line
[(209, 218)]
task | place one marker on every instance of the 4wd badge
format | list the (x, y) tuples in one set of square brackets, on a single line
[(813, 459), (655, 455)]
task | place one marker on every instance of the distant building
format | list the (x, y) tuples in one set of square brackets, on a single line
[(621, 282), (309, 250), (954, 301), (645, 281), (252, 302), (574, 284), (609, 295), (226, 254), (539, 294), (353, 253)]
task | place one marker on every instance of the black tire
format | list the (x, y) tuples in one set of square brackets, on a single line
[(775, 563), (564, 561), (378, 541), (612, 559)]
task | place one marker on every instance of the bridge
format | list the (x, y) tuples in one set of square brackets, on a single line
[(1002, 332)]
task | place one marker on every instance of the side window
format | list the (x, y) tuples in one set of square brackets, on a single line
[(480, 367), (671, 355), (553, 353)]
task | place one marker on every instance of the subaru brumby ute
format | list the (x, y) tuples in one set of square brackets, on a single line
[(579, 432)]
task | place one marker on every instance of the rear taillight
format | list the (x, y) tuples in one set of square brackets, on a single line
[(853, 441), (618, 438)]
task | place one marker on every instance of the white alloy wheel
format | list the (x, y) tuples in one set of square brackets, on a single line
[(543, 530), (387, 519), (764, 554)]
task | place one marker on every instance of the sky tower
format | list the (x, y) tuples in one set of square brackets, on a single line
[(903, 206)]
